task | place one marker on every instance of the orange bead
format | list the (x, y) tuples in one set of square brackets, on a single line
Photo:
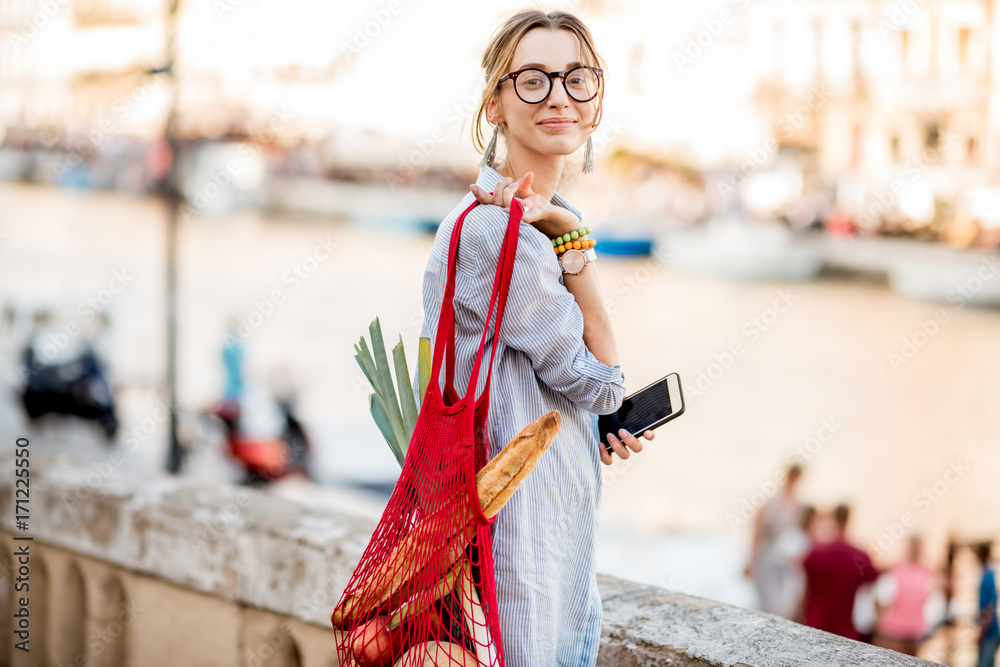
[(576, 245), (592, 243), (561, 248)]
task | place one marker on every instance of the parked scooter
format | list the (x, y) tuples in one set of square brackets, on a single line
[(265, 460), (76, 386)]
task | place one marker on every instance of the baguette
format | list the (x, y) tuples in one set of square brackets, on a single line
[(499, 478)]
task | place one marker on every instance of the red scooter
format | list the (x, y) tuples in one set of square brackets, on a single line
[(264, 461)]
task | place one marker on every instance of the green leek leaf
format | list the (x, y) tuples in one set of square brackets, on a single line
[(389, 401), (424, 366), (406, 400), (378, 414), (364, 369), (367, 364)]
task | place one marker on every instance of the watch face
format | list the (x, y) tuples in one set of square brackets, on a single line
[(573, 261)]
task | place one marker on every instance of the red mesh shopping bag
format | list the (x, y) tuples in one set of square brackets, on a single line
[(424, 591)]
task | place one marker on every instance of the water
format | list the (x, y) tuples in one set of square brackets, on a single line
[(915, 443)]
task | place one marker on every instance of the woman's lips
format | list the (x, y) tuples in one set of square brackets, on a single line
[(557, 124)]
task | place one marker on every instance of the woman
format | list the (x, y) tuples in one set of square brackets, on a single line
[(769, 567), (902, 593), (555, 350), (794, 545)]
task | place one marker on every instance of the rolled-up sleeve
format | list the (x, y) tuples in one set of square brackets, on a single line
[(542, 318)]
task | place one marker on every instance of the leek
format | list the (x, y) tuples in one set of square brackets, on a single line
[(395, 415)]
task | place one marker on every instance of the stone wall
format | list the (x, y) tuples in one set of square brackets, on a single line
[(145, 570)]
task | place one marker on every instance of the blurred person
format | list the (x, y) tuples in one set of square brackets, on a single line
[(901, 594), (864, 614), (233, 353), (795, 544), (989, 630), (948, 623), (835, 571), (261, 413), (770, 568)]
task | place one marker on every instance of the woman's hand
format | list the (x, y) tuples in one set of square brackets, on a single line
[(547, 218), (619, 446)]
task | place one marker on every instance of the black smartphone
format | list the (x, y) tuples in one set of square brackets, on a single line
[(645, 410)]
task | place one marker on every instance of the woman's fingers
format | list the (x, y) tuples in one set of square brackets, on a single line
[(630, 440), (499, 196), (498, 189), (524, 185), (618, 446), (483, 196), (505, 190), (606, 458), (498, 192), (621, 444), (509, 192)]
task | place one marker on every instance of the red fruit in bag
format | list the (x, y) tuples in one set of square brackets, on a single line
[(372, 645)]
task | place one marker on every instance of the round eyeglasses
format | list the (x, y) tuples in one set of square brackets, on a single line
[(533, 85)]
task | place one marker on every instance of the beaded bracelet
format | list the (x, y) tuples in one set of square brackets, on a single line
[(573, 241), (579, 244), (572, 236)]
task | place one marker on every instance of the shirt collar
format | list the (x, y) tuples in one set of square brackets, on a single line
[(488, 176)]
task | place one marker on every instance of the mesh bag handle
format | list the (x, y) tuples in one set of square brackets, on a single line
[(444, 344)]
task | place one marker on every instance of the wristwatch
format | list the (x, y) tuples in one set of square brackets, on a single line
[(574, 261)]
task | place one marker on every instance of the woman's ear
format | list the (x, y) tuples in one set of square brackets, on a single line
[(493, 112)]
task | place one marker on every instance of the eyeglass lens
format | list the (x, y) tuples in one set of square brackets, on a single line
[(533, 85)]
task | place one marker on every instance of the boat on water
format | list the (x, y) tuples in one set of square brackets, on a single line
[(740, 249), (971, 283), (638, 245)]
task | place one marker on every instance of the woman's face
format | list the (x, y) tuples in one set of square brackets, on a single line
[(557, 126)]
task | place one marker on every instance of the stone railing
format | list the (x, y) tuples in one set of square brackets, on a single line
[(128, 569)]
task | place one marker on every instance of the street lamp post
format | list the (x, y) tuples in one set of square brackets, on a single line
[(170, 191)]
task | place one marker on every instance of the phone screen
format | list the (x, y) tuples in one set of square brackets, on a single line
[(638, 412)]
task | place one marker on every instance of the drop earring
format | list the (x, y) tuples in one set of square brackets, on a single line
[(489, 155), (588, 156)]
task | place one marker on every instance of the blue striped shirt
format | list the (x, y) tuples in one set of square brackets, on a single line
[(544, 538)]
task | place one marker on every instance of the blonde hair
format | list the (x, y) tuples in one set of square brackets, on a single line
[(500, 54)]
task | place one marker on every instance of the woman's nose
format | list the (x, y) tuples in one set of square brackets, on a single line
[(558, 96)]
